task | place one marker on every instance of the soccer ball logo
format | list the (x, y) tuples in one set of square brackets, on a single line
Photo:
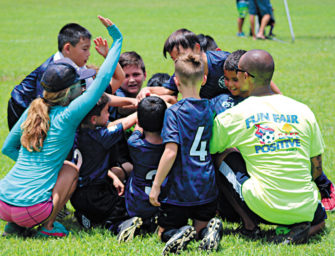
[(265, 135), (221, 83)]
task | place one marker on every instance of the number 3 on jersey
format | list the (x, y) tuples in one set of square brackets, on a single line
[(202, 153), (149, 177)]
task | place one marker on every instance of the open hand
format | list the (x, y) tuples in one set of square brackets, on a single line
[(101, 46), (105, 21)]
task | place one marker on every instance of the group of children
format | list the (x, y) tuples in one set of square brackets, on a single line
[(143, 156)]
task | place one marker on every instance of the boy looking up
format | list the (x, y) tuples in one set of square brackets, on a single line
[(187, 164), (97, 198), (146, 149)]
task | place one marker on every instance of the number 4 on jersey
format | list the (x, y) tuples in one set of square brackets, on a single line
[(202, 153)]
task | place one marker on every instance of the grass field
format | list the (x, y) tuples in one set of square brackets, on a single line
[(304, 71)]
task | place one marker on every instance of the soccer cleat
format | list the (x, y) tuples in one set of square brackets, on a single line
[(12, 228), (213, 235), (240, 34), (127, 229), (296, 234), (328, 201), (252, 234), (180, 240), (57, 231)]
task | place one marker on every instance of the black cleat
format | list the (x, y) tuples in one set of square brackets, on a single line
[(296, 234), (180, 240)]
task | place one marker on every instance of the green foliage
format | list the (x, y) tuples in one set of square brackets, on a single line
[(304, 71)]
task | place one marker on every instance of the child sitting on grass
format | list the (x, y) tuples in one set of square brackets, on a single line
[(97, 198), (146, 148), (186, 162)]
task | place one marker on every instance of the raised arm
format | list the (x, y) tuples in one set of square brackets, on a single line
[(101, 46), (79, 107)]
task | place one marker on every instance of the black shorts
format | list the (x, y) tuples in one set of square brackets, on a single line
[(174, 216), (229, 194), (100, 203)]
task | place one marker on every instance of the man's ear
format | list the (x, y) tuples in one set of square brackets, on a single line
[(204, 80)]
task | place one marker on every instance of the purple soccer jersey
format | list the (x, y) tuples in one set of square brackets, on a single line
[(146, 157), (191, 180)]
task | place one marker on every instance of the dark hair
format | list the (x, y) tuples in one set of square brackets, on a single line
[(150, 113), (72, 33), (182, 37), (131, 58), (158, 79), (207, 43), (96, 110), (231, 62)]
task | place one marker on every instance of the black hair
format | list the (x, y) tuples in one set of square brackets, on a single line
[(96, 110), (131, 58), (158, 79), (182, 37), (72, 33), (231, 63), (150, 113), (207, 42)]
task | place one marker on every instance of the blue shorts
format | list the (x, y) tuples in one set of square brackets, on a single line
[(242, 8), (261, 7)]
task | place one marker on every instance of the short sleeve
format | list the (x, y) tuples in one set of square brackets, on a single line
[(170, 131)]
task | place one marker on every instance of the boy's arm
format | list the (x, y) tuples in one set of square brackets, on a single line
[(316, 164), (101, 46), (164, 167), (275, 88), (159, 90), (126, 122), (117, 101), (116, 182)]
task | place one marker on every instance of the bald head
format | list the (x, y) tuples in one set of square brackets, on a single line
[(260, 64)]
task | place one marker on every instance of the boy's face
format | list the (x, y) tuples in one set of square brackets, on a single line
[(79, 53), (102, 120), (134, 78), (234, 85)]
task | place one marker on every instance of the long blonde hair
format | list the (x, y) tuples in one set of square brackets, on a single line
[(37, 124)]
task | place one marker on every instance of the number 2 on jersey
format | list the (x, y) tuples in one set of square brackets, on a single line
[(149, 177), (202, 153)]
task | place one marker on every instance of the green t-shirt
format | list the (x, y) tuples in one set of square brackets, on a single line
[(276, 136)]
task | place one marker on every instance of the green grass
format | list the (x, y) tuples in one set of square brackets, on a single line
[(304, 71)]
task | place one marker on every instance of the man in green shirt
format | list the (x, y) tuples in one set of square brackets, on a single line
[(280, 142)]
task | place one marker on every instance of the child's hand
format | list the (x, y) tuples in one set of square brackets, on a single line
[(145, 92), (116, 182), (153, 196), (119, 186), (101, 46), (105, 21)]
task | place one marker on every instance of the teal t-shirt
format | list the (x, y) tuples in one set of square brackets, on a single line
[(277, 136), (34, 174)]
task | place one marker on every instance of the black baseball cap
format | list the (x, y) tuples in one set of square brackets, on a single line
[(62, 74)]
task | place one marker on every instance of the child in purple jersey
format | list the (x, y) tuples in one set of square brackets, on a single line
[(190, 188), (97, 198), (146, 148)]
